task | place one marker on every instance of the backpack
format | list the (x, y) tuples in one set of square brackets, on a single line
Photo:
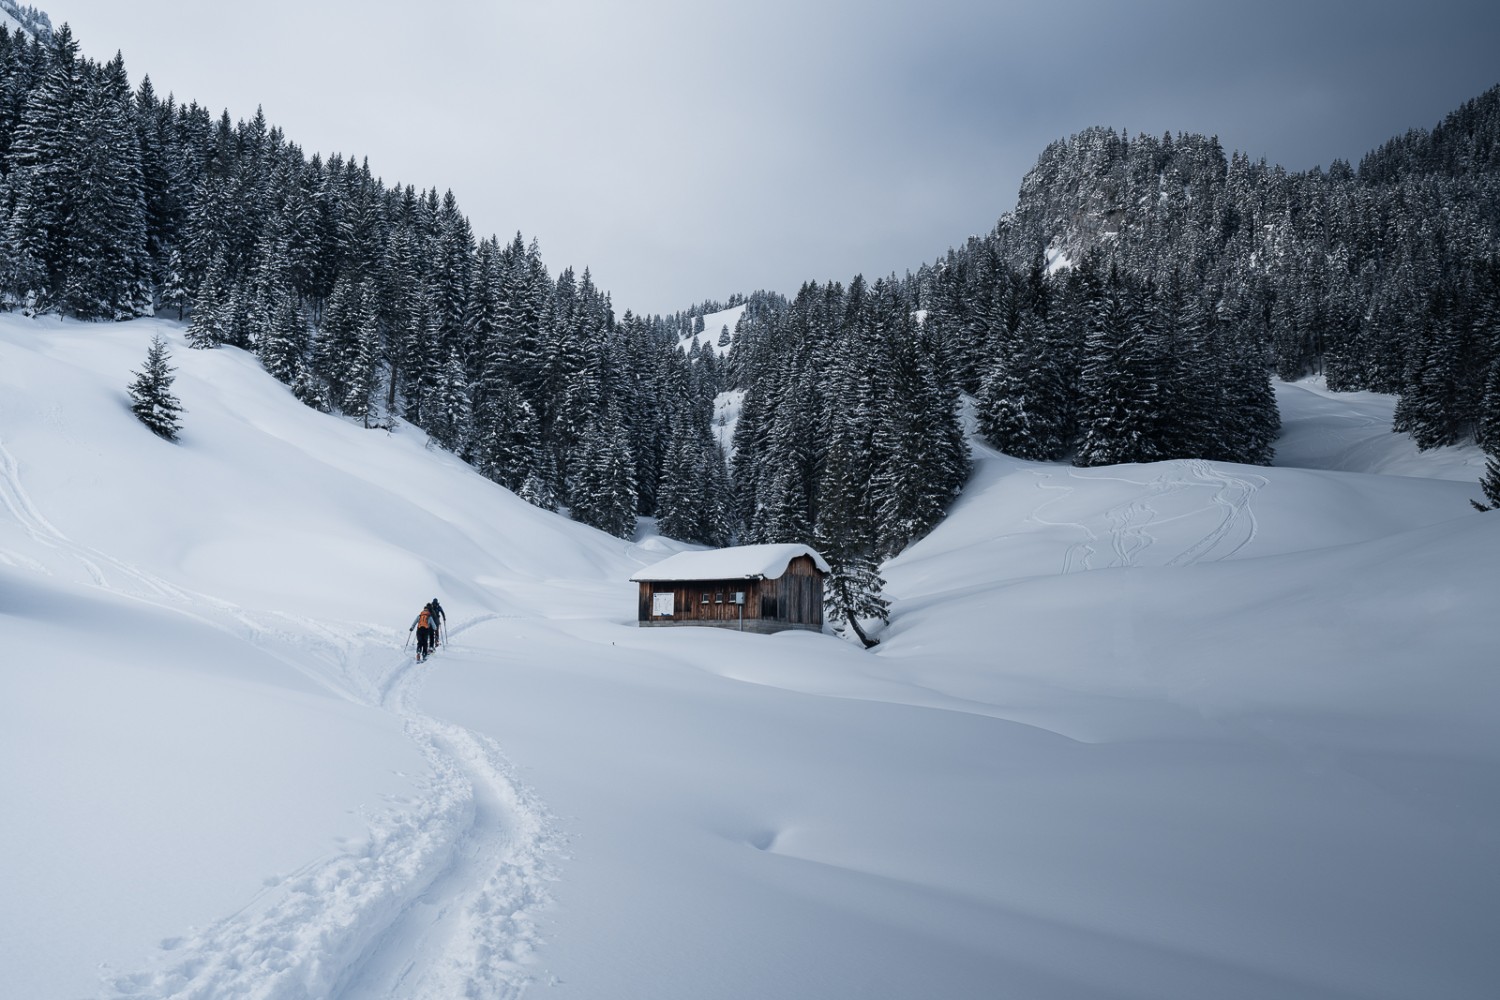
[(422, 619)]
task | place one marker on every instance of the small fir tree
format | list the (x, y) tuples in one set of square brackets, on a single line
[(151, 398), (1491, 486), (846, 538)]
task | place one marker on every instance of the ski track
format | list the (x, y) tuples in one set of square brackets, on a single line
[(1079, 555), (1135, 525), (439, 900), (460, 869)]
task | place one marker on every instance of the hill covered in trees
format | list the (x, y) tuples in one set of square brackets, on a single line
[(1134, 307)]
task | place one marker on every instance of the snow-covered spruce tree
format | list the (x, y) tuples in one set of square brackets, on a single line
[(922, 457), (537, 488), (676, 512), (603, 491), (1487, 428), (447, 412), (1025, 406), (174, 291), (505, 438), (1429, 407), (282, 340), (207, 329), (310, 390), (43, 181), (151, 398), (718, 499), (846, 537), (1490, 483), (693, 499), (107, 269), (1120, 387), (346, 354)]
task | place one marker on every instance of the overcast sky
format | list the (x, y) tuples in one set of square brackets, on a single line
[(684, 150)]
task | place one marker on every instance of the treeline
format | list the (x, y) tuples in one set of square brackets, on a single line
[(377, 302), (1133, 308), (1385, 278), (1101, 365), (849, 436)]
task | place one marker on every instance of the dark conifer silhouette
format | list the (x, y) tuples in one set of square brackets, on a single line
[(151, 398)]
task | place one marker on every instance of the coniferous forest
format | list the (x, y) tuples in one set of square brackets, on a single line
[(1135, 307)]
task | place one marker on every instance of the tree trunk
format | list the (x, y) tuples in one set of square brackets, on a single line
[(854, 624)]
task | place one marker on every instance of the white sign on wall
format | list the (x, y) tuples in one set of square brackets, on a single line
[(661, 604)]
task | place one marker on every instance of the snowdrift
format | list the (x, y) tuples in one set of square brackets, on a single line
[(1179, 730)]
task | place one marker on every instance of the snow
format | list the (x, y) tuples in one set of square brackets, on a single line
[(739, 562), (1057, 258), (1175, 730), (727, 406), (713, 328)]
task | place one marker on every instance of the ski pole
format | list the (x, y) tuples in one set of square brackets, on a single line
[(407, 642)]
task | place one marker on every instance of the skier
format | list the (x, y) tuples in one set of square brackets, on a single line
[(423, 626), (439, 622)]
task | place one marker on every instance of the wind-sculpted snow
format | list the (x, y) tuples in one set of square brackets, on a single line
[(1176, 730)]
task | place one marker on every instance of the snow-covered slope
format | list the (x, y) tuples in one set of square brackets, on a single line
[(714, 325), (1180, 730), (17, 17)]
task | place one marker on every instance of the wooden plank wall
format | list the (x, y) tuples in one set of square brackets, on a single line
[(689, 605), (795, 598)]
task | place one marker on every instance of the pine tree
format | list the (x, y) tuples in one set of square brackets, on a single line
[(603, 492), (1487, 427), (1120, 412), (447, 414), (922, 459), (44, 177), (209, 325), (1025, 406), (676, 512), (506, 447), (151, 395), (174, 292), (108, 272), (1490, 483), (846, 537)]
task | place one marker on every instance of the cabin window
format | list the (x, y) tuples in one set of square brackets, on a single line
[(767, 604), (705, 597), (719, 598)]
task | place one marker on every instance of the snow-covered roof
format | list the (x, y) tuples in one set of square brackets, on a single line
[(747, 562)]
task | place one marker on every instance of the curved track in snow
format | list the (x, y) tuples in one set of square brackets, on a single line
[(438, 900), (1161, 521)]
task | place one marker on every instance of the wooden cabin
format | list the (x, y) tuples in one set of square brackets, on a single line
[(752, 588)]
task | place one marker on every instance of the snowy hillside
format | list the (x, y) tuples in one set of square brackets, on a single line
[(714, 325), (24, 17), (1181, 730)]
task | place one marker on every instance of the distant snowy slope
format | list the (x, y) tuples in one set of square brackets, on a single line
[(1351, 432), (24, 17), (714, 325)]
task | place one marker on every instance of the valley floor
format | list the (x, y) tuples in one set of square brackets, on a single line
[(1180, 730)]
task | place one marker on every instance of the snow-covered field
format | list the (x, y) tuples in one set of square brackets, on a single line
[(1182, 730)]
